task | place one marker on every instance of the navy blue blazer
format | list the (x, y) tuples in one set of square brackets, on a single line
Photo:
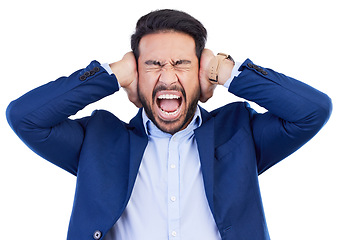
[(235, 145)]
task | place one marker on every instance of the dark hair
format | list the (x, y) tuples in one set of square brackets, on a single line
[(169, 20)]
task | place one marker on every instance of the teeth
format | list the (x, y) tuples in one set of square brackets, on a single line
[(170, 113), (168, 96)]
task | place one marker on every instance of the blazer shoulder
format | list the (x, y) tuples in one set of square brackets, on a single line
[(232, 109), (104, 118)]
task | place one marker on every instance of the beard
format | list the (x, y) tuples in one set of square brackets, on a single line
[(176, 125)]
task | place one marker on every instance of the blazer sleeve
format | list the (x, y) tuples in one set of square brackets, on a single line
[(296, 111), (40, 117)]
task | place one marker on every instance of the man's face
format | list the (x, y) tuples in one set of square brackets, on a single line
[(168, 79)]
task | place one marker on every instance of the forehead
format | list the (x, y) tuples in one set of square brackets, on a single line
[(166, 45)]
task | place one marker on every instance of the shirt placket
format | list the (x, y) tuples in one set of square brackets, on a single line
[(173, 189)]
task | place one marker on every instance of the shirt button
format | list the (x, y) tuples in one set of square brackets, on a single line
[(97, 235), (173, 198), (174, 233), (173, 166)]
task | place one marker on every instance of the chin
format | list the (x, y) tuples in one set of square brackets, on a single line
[(170, 127)]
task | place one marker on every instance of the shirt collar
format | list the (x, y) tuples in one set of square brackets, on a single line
[(152, 130)]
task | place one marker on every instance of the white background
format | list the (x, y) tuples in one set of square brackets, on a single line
[(43, 40)]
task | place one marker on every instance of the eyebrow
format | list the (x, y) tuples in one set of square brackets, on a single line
[(177, 62)]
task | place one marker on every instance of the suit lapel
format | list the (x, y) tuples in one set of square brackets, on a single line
[(138, 143), (205, 142)]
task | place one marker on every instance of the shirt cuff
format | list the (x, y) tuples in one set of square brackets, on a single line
[(109, 70), (235, 73)]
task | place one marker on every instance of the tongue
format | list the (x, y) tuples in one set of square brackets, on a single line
[(169, 105)]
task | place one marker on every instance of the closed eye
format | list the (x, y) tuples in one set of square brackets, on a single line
[(183, 65), (154, 63), (181, 62)]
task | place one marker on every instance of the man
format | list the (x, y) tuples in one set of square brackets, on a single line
[(175, 171)]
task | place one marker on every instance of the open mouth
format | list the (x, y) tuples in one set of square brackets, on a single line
[(169, 104)]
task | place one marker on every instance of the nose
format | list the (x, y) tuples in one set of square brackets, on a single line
[(168, 76)]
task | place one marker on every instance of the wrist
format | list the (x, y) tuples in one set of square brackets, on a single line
[(225, 70), (117, 70), (235, 73), (220, 68), (123, 72)]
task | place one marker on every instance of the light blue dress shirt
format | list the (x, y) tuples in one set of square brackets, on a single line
[(168, 201)]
